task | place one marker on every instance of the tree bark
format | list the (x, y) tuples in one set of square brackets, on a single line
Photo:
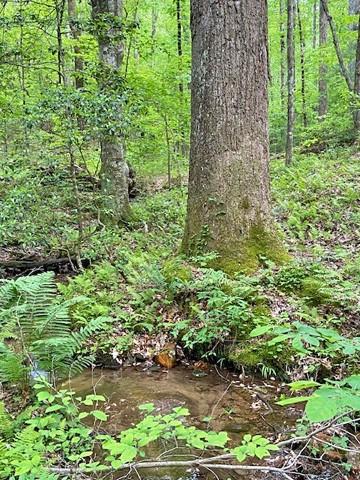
[(229, 194), (357, 84), (59, 10), (323, 93), (302, 63), (114, 171), (290, 81), (183, 146), (75, 34), (282, 53), (354, 7)]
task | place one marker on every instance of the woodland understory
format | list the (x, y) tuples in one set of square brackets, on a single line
[(97, 273)]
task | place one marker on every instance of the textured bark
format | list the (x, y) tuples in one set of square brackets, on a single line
[(229, 195), (59, 10), (290, 81), (343, 69), (357, 83), (302, 63), (282, 52), (354, 7), (114, 169), (183, 146), (75, 34), (323, 92)]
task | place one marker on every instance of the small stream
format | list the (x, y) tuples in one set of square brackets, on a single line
[(234, 405)]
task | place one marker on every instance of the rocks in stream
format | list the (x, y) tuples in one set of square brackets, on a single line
[(167, 357)]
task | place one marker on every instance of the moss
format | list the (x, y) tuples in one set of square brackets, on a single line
[(246, 256), (175, 268), (255, 355), (262, 309), (250, 356), (315, 291)]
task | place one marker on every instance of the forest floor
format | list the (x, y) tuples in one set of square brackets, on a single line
[(293, 322), (161, 302)]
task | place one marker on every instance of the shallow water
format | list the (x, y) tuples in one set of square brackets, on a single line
[(237, 406)]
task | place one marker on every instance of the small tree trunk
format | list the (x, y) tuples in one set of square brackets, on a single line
[(323, 93), (183, 147), (59, 9), (114, 171), (229, 196), (314, 27), (290, 81), (343, 69), (302, 63), (282, 53), (357, 83), (75, 34)]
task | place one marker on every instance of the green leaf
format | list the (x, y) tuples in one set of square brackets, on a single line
[(291, 401), (45, 396), (128, 454), (303, 385), (261, 330), (99, 415)]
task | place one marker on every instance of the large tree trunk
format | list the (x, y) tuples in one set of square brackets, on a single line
[(290, 81), (229, 194), (323, 93), (114, 170), (75, 34)]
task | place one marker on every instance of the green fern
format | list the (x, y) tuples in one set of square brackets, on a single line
[(31, 313), (6, 423)]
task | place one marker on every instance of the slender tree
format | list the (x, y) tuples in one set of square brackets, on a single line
[(302, 63), (75, 34), (59, 10), (229, 196), (357, 83), (335, 37), (323, 93), (290, 81), (314, 25), (282, 51), (114, 169), (183, 147)]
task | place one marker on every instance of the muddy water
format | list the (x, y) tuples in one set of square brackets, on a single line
[(237, 406)]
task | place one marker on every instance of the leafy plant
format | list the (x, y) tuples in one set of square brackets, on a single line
[(44, 342), (305, 339), (329, 400)]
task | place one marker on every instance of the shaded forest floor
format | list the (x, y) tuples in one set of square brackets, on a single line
[(165, 306)]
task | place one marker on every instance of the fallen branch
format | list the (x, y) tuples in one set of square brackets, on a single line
[(47, 264), (208, 462)]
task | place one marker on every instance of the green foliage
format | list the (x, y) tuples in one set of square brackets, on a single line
[(329, 400), (305, 339), (254, 446), (44, 340)]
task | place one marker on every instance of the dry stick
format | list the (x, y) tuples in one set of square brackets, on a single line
[(336, 42)]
